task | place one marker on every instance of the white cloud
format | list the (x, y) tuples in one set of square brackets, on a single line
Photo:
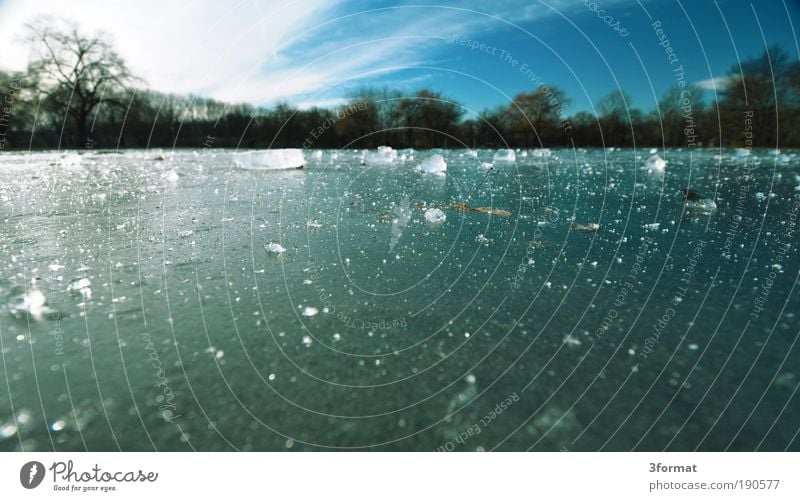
[(717, 83), (198, 46), (253, 51)]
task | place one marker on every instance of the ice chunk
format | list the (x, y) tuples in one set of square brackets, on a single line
[(472, 153), (310, 311), (542, 153), (289, 158), (83, 287), (317, 155), (655, 163), (653, 151), (697, 202), (274, 248), (505, 156), (407, 154), (384, 155), (33, 304), (742, 152), (435, 216), (171, 177), (435, 164)]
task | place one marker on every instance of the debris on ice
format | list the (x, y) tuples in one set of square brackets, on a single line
[(586, 228)]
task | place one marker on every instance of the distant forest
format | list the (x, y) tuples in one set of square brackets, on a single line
[(78, 93)]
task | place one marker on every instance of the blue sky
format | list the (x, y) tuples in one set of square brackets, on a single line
[(313, 52)]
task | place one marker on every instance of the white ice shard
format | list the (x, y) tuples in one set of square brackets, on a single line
[(274, 248), (472, 153), (505, 156), (288, 158), (434, 164), (542, 153), (317, 155), (742, 152), (384, 155), (655, 163), (435, 216)]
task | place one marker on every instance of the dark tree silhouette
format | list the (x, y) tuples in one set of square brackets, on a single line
[(75, 72)]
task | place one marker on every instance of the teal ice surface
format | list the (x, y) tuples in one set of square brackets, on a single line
[(141, 310)]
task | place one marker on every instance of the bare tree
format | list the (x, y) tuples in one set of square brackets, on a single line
[(76, 72)]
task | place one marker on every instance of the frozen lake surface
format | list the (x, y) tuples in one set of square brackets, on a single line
[(144, 308)]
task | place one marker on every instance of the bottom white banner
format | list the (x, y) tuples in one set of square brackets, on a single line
[(389, 476)]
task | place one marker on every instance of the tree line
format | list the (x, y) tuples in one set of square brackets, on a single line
[(77, 92)]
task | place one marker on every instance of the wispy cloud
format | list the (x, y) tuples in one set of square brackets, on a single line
[(714, 83), (265, 51)]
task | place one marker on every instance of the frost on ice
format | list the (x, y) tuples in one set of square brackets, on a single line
[(288, 158), (434, 164)]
